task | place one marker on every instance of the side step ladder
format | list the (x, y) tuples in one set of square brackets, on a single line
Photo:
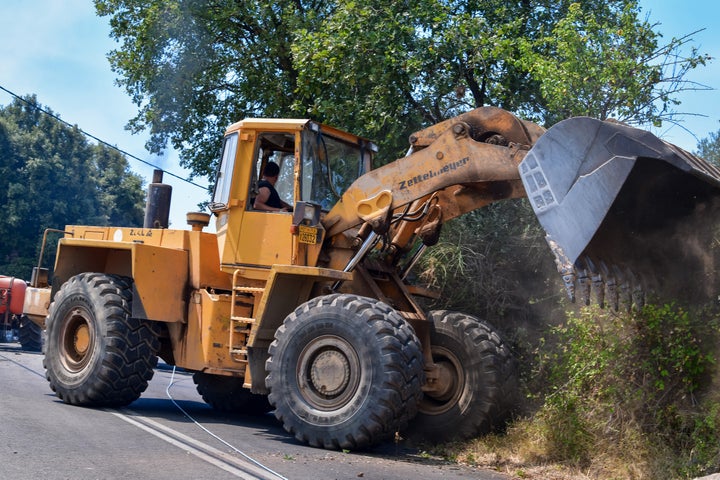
[(240, 326)]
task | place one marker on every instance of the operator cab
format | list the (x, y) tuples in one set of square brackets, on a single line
[(317, 165)]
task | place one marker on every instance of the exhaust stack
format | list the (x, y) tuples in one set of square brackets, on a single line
[(157, 208)]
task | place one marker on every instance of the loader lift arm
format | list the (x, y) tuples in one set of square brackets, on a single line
[(454, 167), (603, 192), (466, 162)]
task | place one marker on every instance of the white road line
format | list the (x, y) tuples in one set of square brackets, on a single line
[(230, 464), (39, 374)]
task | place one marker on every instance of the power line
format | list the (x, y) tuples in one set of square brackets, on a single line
[(103, 142)]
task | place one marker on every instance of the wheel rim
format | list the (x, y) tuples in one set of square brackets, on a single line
[(77, 340), (328, 372), (450, 383)]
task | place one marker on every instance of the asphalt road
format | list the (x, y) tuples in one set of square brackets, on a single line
[(170, 433)]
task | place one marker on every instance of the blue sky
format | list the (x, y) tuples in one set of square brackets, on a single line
[(57, 50), (676, 19)]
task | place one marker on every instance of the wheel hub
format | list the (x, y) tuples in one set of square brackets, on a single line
[(82, 339), (330, 372), (445, 385), (77, 338), (448, 386)]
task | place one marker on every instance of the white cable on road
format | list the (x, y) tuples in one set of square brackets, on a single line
[(234, 449), (192, 446), (178, 439)]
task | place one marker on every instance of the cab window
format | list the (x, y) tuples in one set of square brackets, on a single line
[(329, 167), (225, 170), (280, 149)]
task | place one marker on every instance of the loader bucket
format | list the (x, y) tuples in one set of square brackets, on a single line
[(626, 214)]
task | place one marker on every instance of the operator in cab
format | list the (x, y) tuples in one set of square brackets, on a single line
[(268, 198)]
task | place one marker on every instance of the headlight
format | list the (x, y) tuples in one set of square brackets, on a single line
[(306, 213), (309, 212)]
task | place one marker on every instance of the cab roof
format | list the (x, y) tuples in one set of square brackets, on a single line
[(274, 124), (268, 123)]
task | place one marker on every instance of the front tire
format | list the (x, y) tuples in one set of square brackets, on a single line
[(96, 353), (479, 378), (344, 372)]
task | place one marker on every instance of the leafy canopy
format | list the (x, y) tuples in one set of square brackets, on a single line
[(383, 69), (50, 176), (709, 148)]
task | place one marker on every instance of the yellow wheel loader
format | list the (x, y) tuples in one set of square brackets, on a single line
[(310, 313)]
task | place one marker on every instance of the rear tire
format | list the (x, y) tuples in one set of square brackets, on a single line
[(96, 353), (483, 388), (227, 394), (344, 372), (30, 335)]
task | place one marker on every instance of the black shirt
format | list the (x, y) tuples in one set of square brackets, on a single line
[(274, 199)]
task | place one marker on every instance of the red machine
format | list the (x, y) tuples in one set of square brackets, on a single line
[(12, 296)]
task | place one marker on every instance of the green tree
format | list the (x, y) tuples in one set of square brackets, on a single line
[(50, 177), (195, 66), (605, 62), (708, 148), (382, 68)]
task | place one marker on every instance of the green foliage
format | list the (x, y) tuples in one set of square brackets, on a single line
[(628, 386), (384, 69), (50, 176), (709, 148), (193, 67), (603, 62), (492, 263)]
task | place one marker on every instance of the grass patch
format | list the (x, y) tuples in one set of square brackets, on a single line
[(626, 396)]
